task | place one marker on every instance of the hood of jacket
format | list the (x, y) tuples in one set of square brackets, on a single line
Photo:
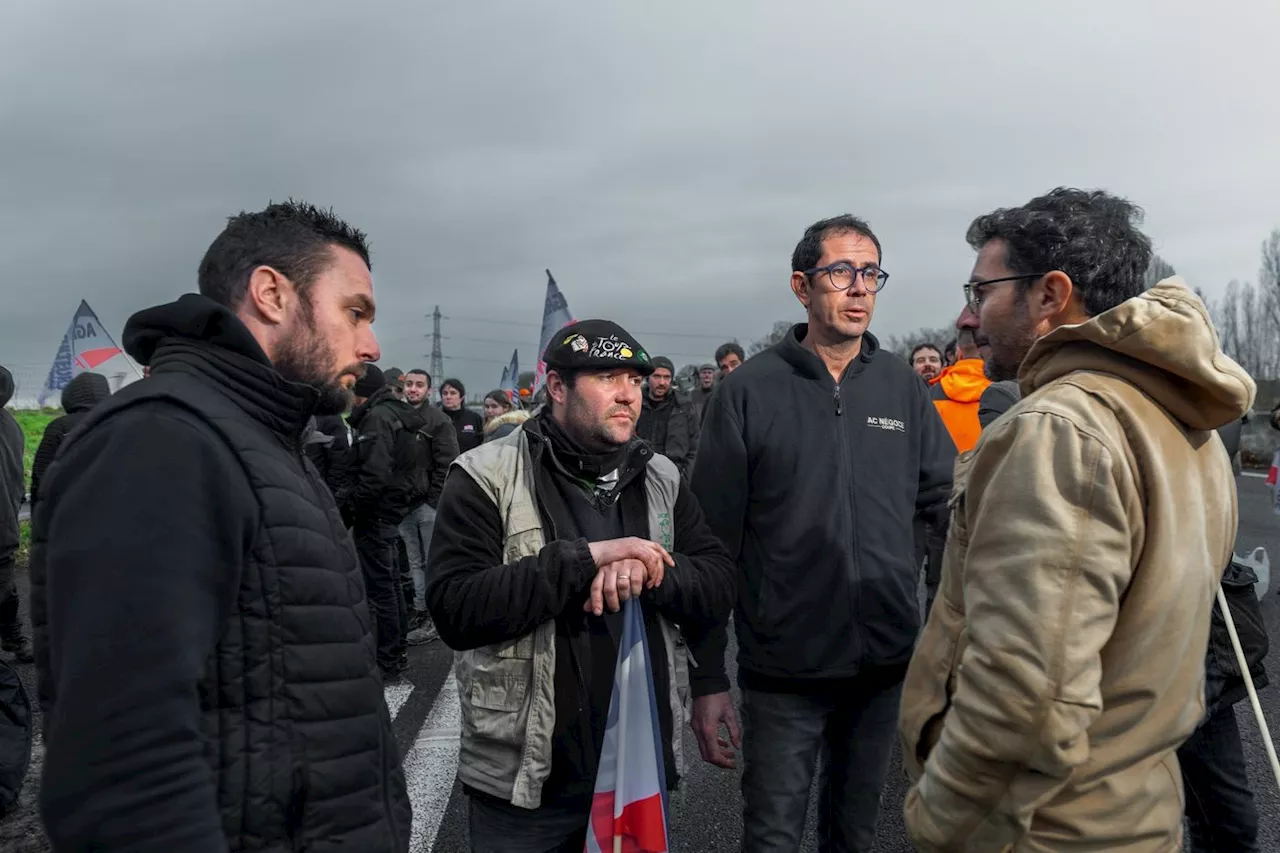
[(84, 392), (515, 417), (6, 387), (197, 335), (964, 381), (1162, 342)]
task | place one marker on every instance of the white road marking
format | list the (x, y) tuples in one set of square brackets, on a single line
[(397, 695), (431, 766), (1259, 475)]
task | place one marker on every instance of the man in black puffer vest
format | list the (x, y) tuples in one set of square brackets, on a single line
[(204, 647)]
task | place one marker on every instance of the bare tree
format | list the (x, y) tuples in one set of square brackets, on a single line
[(1157, 271), (775, 336), (1269, 277), (902, 345)]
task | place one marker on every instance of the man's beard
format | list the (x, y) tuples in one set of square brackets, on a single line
[(304, 357), (594, 436), (1009, 345)]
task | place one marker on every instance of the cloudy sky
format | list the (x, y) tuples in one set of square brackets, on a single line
[(662, 158)]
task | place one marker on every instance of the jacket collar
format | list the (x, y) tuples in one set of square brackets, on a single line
[(792, 350), (639, 452), (205, 340)]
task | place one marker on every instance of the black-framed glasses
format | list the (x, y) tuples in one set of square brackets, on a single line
[(973, 289), (842, 275)]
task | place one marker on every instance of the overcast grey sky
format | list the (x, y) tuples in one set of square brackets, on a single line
[(662, 158)]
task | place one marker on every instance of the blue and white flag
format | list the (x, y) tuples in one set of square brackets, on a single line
[(511, 374), (555, 316)]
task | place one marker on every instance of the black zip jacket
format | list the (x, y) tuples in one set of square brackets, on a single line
[(436, 432), (671, 426), (468, 426), (381, 470), (813, 487), (476, 600)]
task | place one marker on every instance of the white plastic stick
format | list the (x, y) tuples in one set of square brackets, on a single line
[(1248, 684)]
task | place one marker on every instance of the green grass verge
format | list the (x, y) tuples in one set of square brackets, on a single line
[(33, 423)]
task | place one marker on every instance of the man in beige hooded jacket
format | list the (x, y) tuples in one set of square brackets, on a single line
[(1063, 663)]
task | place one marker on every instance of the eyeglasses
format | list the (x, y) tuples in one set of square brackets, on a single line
[(973, 289), (842, 275)]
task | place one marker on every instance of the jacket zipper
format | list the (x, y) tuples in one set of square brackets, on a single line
[(847, 466)]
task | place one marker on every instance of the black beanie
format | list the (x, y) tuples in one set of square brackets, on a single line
[(371, 382)]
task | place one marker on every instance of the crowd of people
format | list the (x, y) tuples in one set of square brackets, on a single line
[(230, 559)]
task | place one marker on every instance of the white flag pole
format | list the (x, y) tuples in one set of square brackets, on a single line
[(1248, 684)]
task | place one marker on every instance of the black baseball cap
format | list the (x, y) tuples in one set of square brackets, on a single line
[(596, 345)]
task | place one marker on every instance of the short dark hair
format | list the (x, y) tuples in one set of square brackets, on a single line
[(809, 250), (924, 346), (950, 349), (568, 375), (418, 371), (732, 347), (293, 237), (1090, 235), (455, 385)]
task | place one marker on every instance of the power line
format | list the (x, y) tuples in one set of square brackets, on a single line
[(529, 325)]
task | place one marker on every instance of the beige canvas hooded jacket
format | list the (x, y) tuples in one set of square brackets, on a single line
[(1063, 662)]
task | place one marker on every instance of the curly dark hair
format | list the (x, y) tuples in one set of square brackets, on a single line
[(291, 236), (1090, 235), (809, 250)]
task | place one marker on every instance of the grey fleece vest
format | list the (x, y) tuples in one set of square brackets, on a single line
[(507, 690)]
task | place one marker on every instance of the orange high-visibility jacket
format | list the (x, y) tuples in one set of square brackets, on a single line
[(956, 392)]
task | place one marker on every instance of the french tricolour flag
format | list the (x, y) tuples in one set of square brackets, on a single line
[(629, 811)]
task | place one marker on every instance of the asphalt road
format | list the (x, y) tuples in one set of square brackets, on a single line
[(706, 812)]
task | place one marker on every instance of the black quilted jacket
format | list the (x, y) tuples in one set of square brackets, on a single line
[(204, 646)]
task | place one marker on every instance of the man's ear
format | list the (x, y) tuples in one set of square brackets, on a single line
[(268, 295), (1054, 296), (556, 389), (800, 287)]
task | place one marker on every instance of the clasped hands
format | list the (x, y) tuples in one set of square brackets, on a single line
[(624, 568)]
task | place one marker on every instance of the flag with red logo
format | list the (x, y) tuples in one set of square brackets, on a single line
[(555, 316), (85, 346), (629, 810)]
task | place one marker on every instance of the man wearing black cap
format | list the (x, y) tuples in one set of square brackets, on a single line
[(382, 470), (540, 538), (668, 420)]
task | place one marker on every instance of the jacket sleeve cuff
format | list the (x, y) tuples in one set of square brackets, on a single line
[(708, 684), (582, 561)]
